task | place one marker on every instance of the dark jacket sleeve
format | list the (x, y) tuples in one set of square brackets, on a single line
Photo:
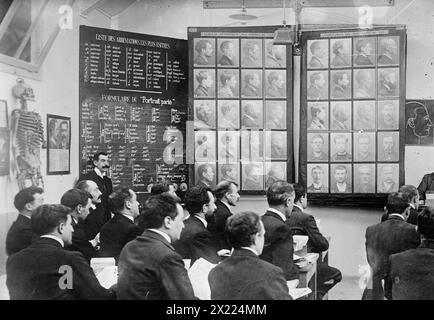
[(175, 280), (203, 246), (275, 287), (283, 253), (17, 241), (424, 185), (317, 242)]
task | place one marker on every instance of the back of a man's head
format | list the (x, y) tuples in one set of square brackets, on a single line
[(396, 203), (82, 185), (279, 192), (299, 190), (425, 223), (409, 192), (117, 199), (73, 197), (26, 196), (47, 217), (241, 229), (160, 188), (222, 188), (195, 198), (156, 209)]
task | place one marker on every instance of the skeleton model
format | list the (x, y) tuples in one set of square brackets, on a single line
[(27, 137)]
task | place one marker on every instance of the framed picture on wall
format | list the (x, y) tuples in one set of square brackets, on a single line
[(58, 145)]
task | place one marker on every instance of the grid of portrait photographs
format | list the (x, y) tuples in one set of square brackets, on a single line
[(239, 106), (352, 98)]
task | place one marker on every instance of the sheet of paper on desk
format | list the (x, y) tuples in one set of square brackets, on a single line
[(198, 274), (297, 293), (108, 276)]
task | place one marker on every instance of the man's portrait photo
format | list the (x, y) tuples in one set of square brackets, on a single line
[(364, 115), (251, 114), (388, 146), (63, 138), (276, 83), (340, 87), (228, 146), (275, 142), (317, 178), (251, 53), (228, 84), (364, 178), (364, 51), (341, 147), (364, 147), (228, 114), (253, 176), (275, 115), (341, 181), (340, 52), (388, 114), (204, 53), (317, 55), (388, 82), (317, 116), (205, 174), (274, 171), (204, 114), (251, 86), (227, 55), (229, 172), (388, 53), (205, 146), (275, 56), (364, 85), (252, 143), (317, 147), (340, 115), (204, 83), (52, 134), (317, 85), (388, 176), (419, 123)]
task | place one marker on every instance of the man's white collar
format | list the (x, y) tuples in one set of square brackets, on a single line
[(278, 213)]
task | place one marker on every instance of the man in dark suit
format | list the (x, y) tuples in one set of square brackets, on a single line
[(196, 241), (278, 247), (426, 184), (104, 183), (45, 270), (79, 202), (149, 267), (230, 280), (411, 270), (227, 196), (394, 235), (20, 233), (410, 192), (302, 223), (121, 229)]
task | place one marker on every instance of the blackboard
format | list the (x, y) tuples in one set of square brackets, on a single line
[(133, 105)]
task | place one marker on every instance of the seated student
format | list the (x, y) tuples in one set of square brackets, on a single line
[(411, 270), (149, 267), (412, 195), (427, 184), (120, 229), (20, 233), (196, 241), (45, 270), (302, 223), (79, 202), (278, 247), (244, 276), (386, 238)]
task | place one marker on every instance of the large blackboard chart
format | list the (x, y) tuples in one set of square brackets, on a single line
[(133, 105)]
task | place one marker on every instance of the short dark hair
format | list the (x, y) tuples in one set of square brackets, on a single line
[(160, 187), (157, 208), (425, 222), (223, 187), (299, 190), (409, 191), (241, 227), (26, 196), (117, 199), (73, 197), (195, 198), (82, 185), (96, 156), (279, 192), (396, 203), (48, 217)]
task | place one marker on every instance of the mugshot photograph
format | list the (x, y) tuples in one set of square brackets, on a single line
[(317, 55), (364, 115), (317, 85), (229, 172), (251, 83), (228, 146), (275, 115), (275, 56), (388, 177), (364, 51), (204, 114), (364, 84), (364, 178), (317, 147), (364, 146), (204, 83), (340, 52), (252, 145), (388, 50), (251, 114), (388, 82), (228, 114), (205, 146), (340, 115), (274, 171), (205, 174), (341, 178), (275, 143), (228, 86), (340, 87), (204, 53), (317, 116), (227, 55), (251, 53), (253, 176), (388, 112), (388, 146), (317, 178), (340, 147), (276, 83)]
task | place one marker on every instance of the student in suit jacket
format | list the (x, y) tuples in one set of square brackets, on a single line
[(412, 195), (38, 272), (79, 202), (121, 229), (20, 233), (227, 196), (196, 241), (149, 268), (394, 235), (278, 247), (229, 279), (411, 270), (304, 224)]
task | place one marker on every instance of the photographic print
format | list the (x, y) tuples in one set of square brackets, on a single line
[(228, 115), (228, 86), (204, 114), (364, 147), (251, 114), (204, 83), (388, 82), (205, 146), (252, 145), (388, 115), (317, 54), (274, 171), (204, 52), (340, 115), (276, 83), (364, 83), (58, 146), (227, 55), (275, 114), (251, 83), (317, 116), (364, 178), (229, 172), (388, 51), (388, 146), (364, 115), (317, 178), (228, 146), (251, 53), (340, 147), (317, 85), (341, 178), (205, 174), (317, 147), (340, 87), (253, 176), (275, 143), (364, 51), (275, 56), (388, 177), (340, 53)]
